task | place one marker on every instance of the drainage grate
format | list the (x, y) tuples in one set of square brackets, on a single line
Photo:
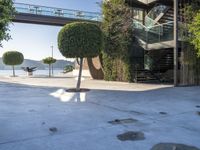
[(122, 121)]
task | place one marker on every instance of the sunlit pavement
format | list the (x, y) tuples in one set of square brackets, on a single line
[(37, 114)]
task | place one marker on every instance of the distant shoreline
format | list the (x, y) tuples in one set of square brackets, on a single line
[(59, 65), (36, 70), (21, 72)]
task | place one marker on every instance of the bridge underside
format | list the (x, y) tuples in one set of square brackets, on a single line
[(44, 20)]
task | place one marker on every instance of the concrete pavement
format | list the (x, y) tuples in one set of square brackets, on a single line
[(29, 107)]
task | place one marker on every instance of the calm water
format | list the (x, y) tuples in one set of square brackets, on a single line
[(22, 73)]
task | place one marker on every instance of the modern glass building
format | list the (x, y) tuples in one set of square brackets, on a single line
[(157, 41)]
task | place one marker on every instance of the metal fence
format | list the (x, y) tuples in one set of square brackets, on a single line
[(57, 12)]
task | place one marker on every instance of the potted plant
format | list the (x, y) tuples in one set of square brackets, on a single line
[(29, 70)]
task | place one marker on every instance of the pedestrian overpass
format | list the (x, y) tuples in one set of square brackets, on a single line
[(35, 14)]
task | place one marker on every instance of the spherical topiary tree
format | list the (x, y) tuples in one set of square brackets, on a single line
[(80, 40), (49, 61), (13, 58)]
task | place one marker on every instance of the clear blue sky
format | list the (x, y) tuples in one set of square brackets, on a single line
[(34, 41)]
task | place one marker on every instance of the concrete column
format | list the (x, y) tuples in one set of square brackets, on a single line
[(175, 42)]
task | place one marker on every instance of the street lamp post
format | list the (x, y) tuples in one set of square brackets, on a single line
[(52, 57)]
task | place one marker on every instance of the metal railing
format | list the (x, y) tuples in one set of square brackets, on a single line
[(157, 10), (154, 34), (57, 12), (155, 14), (149, 22)]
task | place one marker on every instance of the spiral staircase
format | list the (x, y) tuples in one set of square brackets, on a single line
[(155, 36)]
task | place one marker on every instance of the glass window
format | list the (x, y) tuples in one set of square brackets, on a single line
[(138, 14)]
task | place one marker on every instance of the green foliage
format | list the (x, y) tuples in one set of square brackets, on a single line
[(194, 29), (6, 15), (117, 28), (110, 72), (13, 58), (189, 29), (68, 68), (49, 60), (79, 40)]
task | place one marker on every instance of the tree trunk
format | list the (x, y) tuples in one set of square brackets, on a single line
[(13, 67), (79, 76), (49, 70), (78, 62)]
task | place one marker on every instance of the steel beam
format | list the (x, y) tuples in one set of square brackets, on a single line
[(44, 20)]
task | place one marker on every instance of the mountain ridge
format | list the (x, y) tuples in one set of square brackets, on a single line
[(60, 64)]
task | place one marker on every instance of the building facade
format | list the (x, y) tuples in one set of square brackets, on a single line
[(157, 54)]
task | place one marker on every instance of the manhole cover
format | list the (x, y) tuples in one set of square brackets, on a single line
[(198, 106), (122, 121), (131, 136), (173, 146)]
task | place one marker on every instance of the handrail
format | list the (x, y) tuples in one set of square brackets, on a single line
[(154, 25), (155, 14), (148, 18), (164, 23), (158, 7), (55, 7), (154, 34), (134, 20), (57, 12), (153, 29)]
